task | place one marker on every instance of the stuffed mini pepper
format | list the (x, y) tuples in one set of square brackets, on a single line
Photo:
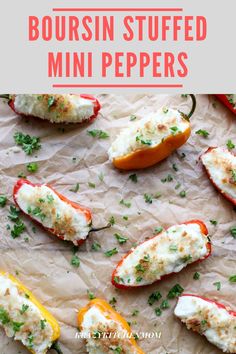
[(55, 108), (151, 139), (168, 252), (105, 330), (24, 319), (209, 318), (220, 166), (229, 101), (57, 214)]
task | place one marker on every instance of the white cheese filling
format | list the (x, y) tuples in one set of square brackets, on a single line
[(215, 323), (44, 205), (148, 132), (55, 108), (96, 325), (168, 252), (21, 319), (221, 165)]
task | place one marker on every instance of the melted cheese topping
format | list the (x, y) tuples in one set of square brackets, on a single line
[(55, 108), (21, 319), (96, 326), (206, 318), (221, 165), (232, 99), (168, 252), (44, 205), (148, 132)]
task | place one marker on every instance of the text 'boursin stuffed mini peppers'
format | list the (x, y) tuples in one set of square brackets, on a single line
[(57, 214), (168, 252), (105, 330), (209, 318), (25, 319), (55, 108), (151, 139), (220, 165)]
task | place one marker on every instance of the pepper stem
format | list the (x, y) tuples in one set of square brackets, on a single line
[(100, 228), (5, 96), (194, 103), (56, 346)]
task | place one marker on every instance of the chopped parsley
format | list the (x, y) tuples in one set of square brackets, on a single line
[(125, 203), (50, 101), (111, 252), (182, 194), (135, 312), (18, 229), (43, 324), (218, 285), (101, 177), (165, 304), (158, 230), (4, 316), (139, 279), (125, 217), (173, 248), (142, 141), (196, 276), (92, 185), (202, 132), (121, 239), (29, 144), (169, 178), (174, 130), (148, 198), (100, 134), (3, 201), (96, 246), (13, 213), (233, 172), (165, 110), (133, 178), (75, 188), (156, 296), (213, 222), (175, 168), (187, 258), (230, 145), (140, 268), (91, 295), (24, 309), (32, 167), (158, 311), (175, 291), (112, 220), (75, 261), (16, 326), (233, 231), (132, 117), (113, 301), (232, 278)]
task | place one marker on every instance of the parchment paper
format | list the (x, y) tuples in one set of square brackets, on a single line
[(43, 263)]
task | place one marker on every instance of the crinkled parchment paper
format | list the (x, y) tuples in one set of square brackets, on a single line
[(43, 263)]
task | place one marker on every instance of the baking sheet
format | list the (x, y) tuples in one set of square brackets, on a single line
[(43, 263)]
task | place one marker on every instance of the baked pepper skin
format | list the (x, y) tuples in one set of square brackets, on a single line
[(96, 105), (84, 210), (45, 313), (104, 307), (224, 99), (148, 157), (126, 287), (225, 195)]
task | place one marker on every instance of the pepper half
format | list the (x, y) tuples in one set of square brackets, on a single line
[(54, 212), (55, 108), (151, 139), (220, 166), (24, 318), (209, 318), (106, 330), (162, 255), (228, 101)]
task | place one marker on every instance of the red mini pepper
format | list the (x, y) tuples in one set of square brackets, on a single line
[(85, 211), (118, 283), (58, 106), (211, 177), (226, 101)]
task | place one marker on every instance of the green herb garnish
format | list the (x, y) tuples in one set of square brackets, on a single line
[(111, 252), (91, 295), (29, 144), (100, 134), (133, 178), (202, 132), (218, 285), (96, 246), (32, 167), (196, 276), (175, 291), (125, 203), (75, 261), (230, 145), (121, 239), (156, 296), (75, 188)]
